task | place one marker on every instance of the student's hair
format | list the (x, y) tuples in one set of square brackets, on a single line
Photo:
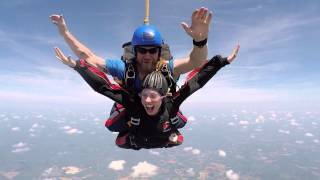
[(156, 81)]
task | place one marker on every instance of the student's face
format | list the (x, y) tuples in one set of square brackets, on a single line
[(147, 57), (151, 101)]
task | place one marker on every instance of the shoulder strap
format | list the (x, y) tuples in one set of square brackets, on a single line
[(129, 76)]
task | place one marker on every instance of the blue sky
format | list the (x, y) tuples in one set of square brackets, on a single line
[(278, 60)]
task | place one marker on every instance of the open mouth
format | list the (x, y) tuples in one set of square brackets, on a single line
[(149, 108)]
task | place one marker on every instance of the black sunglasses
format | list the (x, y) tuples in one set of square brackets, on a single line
[(144, 50)]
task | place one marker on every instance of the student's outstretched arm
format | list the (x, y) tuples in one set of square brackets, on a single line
[(95, 78), (199, 77)]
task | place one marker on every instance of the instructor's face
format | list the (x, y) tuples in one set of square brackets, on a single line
[(151, 101), (147, 57)]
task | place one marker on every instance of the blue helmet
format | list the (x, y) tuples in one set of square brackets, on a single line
[(146, 35)]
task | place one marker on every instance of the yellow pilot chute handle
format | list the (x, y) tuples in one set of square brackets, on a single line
[(147, 10)]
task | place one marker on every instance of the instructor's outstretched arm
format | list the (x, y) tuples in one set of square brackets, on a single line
[(198, 31), (80, 50)]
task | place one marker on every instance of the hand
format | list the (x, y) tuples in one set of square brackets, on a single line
[(234, 54), (199, 28), (64, 59), (59, 21)]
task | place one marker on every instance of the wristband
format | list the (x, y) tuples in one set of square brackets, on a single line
[(200, 44)]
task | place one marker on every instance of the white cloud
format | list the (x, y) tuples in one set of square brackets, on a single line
[(15, 129), (66, 127), (154, 152), (20, 145), (40, 116), (222, 153), (289, 115), (190, 172), (71, 170), (117, 165), (9, 174), (293, 122), (309, 135), (144, 170), (284, 131), (232, 175), (16, 117), (231, 124), (35, 125), (243, 123), (195, 151), (74, 131), (260, 119), (187, 148), (21, 150), (191, 118)]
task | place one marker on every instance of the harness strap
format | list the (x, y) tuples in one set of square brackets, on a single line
[(130, 76)]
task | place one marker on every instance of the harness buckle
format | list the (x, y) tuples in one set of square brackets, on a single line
[(167, 74), (173, 138), (167, 129), (135, 121), (164, 69), (132, 142), (166, 126), (174, 120), (130, 74)]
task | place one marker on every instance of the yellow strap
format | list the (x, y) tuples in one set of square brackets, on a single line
[(146, 17), (160, 64)]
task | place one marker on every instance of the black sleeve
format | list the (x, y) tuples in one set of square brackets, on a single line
[(100, 83), (199, 78)]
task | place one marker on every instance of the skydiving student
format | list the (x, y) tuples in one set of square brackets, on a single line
[(147, 45), (151, 121)]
